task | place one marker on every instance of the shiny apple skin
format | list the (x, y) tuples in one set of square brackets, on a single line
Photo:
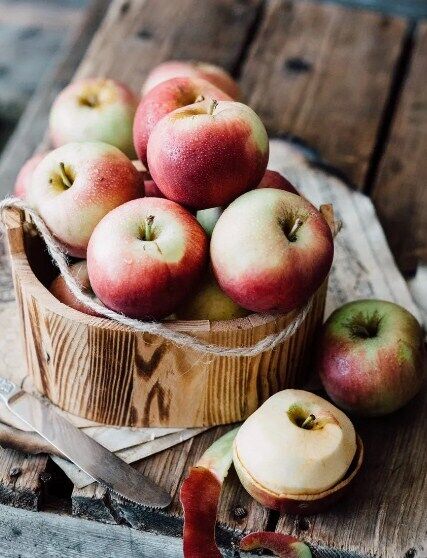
[(60, 290), (256, 264), (104, 178), (178, 68), (146, 279), (110, 120), (375, 375), (273, 179), (25, 175), (165, 98), (203, 157)]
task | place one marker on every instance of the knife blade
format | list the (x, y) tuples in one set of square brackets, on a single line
[(91, 457)]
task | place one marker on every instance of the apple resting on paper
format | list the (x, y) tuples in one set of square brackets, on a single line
[(60, 290), (296, 444), (370, 357), (94, 109), (165, 98), (25, 175), (273, 179), (208, 153), (271, 250), (178, 68), (74, 186), (145, 257), (209, 303)]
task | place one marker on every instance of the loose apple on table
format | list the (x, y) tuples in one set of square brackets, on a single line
[(371, 357)]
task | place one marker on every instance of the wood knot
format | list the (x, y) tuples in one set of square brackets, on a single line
[(297, 65), (239, 513), (124, 8), (15, 472), (144, 34), (302, 523), (411, 553)]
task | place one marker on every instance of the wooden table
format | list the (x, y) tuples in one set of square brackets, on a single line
[(351, 85)]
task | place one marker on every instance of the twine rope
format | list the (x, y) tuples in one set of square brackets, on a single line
[(156, 328)]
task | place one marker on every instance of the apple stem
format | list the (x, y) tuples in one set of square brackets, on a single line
[(199, 98), (213, 106), (297, 225), (148, 227), (64, 176), (308, 423)]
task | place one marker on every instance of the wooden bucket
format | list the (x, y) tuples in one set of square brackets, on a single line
[(109, 373)]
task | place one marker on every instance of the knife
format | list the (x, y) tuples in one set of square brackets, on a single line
[(91, 457)]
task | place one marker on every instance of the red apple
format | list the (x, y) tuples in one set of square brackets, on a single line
[(370, 357), (74, 186), (177, 68), (145, 257), (94, 109), (165, 98), (60, 290), (273, 179), (25, 175), (208, 153), (271, 250)]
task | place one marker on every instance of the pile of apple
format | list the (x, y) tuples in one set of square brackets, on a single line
[(198, 227)]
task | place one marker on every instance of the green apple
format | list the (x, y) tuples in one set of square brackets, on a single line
[(209, 302)]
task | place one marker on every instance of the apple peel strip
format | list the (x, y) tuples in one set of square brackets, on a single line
[(199, 496), (155, 328)]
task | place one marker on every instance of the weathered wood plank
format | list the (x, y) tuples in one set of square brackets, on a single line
[(322, 72), (139, 34), (385, 514), (32, 126), (399, 192), (20, 484)]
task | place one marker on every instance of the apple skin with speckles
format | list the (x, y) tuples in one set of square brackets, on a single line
[(94, 109), (25, 175), (370, 357), (180, 68), (256, 259), (165, 98), (207, 154), (145, 257), (273, 179), (98, 177)]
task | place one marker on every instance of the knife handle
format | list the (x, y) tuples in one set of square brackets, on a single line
[(8, 389)]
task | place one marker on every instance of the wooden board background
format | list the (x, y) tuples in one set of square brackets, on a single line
[(350, 84)]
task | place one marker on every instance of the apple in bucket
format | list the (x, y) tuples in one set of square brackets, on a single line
[(74, 186), (179, 68), (273, 179), (208, 153), (25, 175), (94, 109), (271, 250), (145, 257), (60, 290), (165, 98), (370, 357)]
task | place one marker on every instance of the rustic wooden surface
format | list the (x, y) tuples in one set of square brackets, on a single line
[(346, 82)]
